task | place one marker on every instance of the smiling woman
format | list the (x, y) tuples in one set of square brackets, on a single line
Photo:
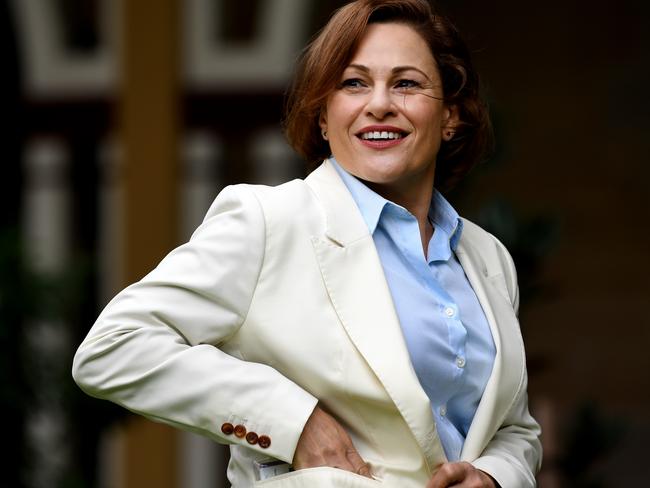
[(386, 119), (322, 66), (349, 329)]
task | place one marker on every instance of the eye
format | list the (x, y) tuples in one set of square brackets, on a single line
[(407, 84), (352, 83)]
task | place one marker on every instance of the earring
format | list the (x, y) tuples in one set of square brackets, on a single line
[(450, 134), (324, 134)]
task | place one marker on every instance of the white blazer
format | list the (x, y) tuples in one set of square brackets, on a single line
[(279, 301)]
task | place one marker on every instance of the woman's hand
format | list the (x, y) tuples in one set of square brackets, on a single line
[(324, 442), (461, 475)]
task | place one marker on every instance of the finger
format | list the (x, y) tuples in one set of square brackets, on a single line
[(447, 475), (359, 465), (341, 463)]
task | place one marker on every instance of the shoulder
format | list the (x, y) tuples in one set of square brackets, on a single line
[(493, 254), (269, 197), (279, 209), (259, 198), (490, 248)]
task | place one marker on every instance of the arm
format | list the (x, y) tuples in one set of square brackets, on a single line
[(155, 347), (513, 455)]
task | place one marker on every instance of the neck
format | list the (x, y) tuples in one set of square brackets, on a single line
[(414, 198)]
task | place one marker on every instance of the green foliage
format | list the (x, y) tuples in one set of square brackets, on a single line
[(34, 375), (17, 293)]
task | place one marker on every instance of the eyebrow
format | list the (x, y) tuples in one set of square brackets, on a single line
[(395, 70)]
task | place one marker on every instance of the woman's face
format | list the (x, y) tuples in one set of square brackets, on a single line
[(385, 120)]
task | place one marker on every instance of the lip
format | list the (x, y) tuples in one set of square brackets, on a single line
[(382, 144)]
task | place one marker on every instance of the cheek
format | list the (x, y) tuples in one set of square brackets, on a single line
[(341, 112), (429, 123), (419, 110)]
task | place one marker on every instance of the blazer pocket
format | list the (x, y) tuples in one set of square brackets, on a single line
[(321, 477)]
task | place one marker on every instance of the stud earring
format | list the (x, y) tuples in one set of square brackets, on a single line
[(324, 134)]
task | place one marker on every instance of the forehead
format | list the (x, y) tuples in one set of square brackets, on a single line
[(386, 45)]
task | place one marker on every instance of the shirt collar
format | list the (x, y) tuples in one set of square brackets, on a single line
[(445, 217), (371, 204)]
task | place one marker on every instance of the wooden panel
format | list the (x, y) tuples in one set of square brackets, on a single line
[(148, 128), (149, 117)]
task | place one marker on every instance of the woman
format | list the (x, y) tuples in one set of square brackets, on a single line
[(351, 324)]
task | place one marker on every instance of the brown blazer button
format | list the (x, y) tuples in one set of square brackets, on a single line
[(227, 428), (264, 441), (240, 430), (251, 438)]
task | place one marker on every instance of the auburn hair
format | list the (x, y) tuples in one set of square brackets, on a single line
[(322, 62)]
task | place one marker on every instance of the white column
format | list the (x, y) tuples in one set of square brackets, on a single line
[(202, 461), (273, 160), (110, 265), (201, 159), (46, 234), (110, 218)]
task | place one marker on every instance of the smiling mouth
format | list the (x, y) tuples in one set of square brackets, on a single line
[(381, 135), (382, 138)]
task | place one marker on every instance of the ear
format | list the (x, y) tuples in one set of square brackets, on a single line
[(450, 122), (322, 120)]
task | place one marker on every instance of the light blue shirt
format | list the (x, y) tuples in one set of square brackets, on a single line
[(445, 329)]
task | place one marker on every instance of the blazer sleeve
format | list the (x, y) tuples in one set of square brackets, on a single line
[(155, 348), (514, 454)]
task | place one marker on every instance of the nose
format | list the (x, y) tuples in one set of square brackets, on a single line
[(380, 103)]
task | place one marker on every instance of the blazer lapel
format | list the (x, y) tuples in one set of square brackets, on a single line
[(355, 281), (504, 382)]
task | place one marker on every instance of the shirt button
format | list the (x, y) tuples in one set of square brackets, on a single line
[(449, 312), (443, 410), (460, 362)]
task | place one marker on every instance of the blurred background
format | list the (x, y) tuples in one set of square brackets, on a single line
[(121, 121)]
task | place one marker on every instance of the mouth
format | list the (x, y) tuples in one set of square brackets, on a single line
[(380, 137)]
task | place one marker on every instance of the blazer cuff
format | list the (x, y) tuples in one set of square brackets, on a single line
[(504, 472), (278, 425), (297, 414)]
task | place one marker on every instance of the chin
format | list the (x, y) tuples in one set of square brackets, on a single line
[(382, 178)]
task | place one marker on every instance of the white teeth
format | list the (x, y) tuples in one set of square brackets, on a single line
[(380, 135)]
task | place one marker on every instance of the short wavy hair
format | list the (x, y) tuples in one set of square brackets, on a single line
[(322, 62)]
